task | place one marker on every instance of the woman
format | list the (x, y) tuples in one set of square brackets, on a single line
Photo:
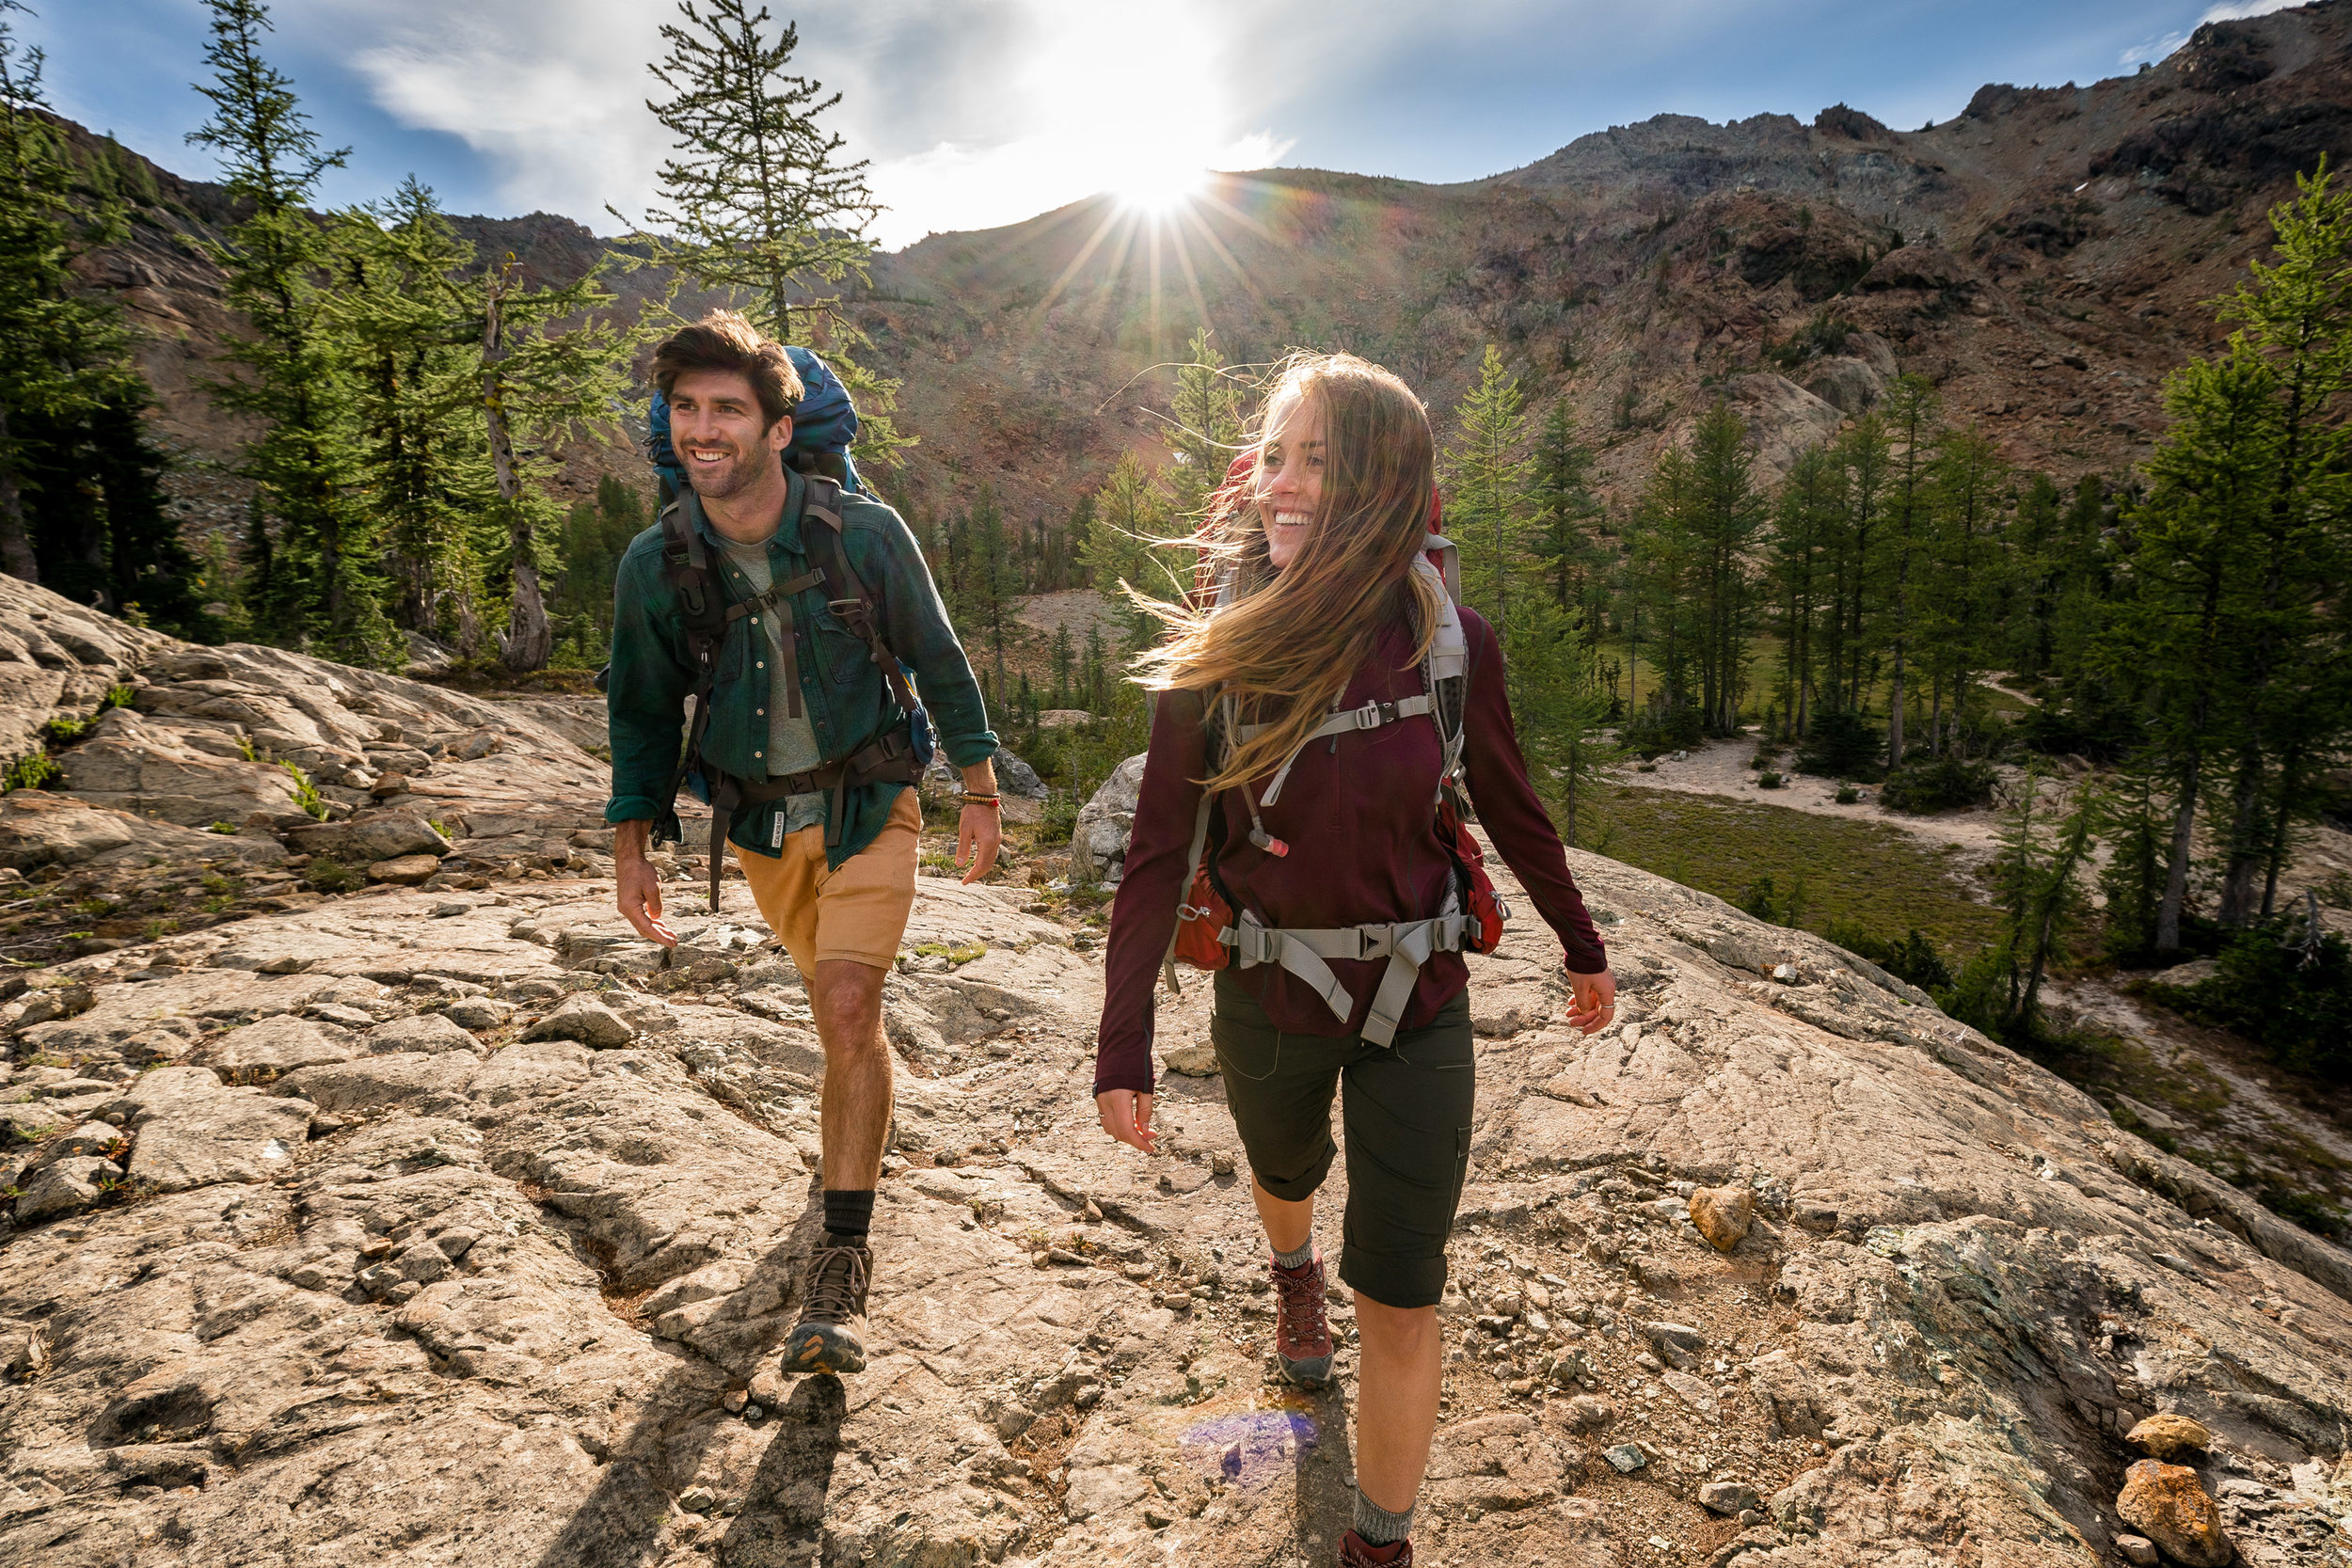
[(1327, 608)]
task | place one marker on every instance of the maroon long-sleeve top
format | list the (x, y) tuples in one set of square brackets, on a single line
[(1361, 825)]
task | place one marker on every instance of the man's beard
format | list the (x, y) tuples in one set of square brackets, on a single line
[(717, 480)]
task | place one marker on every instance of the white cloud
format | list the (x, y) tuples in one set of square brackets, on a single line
[(973, 115), (2230, 10)]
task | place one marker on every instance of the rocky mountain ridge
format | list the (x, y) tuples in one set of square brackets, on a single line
[(2045, 257), (452, 1222)]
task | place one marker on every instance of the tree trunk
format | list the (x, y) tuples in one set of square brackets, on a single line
[(2236, 904), (528, 640), (16, 544), (2176, 862)]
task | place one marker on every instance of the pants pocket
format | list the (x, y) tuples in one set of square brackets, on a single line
[(1246, 1052)]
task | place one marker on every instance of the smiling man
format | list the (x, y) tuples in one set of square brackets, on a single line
[(798, 612)]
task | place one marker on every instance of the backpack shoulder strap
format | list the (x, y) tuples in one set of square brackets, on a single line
[(1445, 673), (846, 593)]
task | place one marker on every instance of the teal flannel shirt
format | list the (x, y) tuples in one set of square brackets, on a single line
[(847, 699)]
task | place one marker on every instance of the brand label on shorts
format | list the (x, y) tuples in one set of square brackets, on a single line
[(775, 830)]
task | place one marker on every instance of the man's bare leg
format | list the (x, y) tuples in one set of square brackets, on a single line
[(846, 998)]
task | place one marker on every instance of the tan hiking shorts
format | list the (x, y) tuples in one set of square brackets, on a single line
[(857, 911)]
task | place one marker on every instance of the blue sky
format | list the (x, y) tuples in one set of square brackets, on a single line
[(981, 112)]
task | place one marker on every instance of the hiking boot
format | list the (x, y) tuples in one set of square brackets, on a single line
[(1356, 1552), (1302, 1336), (831, 1335)]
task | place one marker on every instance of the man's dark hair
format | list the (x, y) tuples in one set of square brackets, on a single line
[(724, 340)]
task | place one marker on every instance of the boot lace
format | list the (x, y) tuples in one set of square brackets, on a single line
[(1299, 1300), (836, 1285)]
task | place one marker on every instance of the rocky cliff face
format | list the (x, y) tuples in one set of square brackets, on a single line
[(2044, 257), (449, 1222)]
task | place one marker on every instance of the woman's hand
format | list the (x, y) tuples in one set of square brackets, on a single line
[(1127, 1117), (1591, 999)]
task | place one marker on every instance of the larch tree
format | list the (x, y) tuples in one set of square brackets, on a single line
[(757, 198), (320, 576), (1486, 473)]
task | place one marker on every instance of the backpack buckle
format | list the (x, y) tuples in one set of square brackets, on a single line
[(1375, 713)]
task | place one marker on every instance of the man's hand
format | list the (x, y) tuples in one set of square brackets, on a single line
[(639, 884), (1591, 999), (1127, 1117), (979, 830)]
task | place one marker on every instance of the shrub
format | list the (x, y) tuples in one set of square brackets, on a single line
[(2292, 998), (35, 771), (306, 794), (1943, 783), (1915, 958), (222, 828), (1661, 729), (1768, 780), (1847, 795), (330, 875), (1841, 745)]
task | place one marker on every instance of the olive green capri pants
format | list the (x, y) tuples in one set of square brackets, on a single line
[(1406, 1109)]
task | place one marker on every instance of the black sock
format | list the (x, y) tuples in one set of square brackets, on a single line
[(849, 1215)]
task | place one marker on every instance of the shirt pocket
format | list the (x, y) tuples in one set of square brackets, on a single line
[(841, 654)]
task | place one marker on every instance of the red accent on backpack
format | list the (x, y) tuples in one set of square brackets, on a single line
[(1482, 904), (1204, 913)]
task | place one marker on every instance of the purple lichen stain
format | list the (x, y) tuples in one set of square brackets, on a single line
[(1252, 1447)]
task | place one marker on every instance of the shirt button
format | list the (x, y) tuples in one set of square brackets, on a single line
[(761, 665), (759, 753), (754, 620)]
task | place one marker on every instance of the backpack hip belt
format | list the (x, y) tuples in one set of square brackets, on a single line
[(889, 758), (1407, 945)]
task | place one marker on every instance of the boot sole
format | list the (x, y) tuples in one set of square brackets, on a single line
[(1312, 1373), (823, 1348)]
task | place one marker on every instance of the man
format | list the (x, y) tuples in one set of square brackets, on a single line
[(805, 754)]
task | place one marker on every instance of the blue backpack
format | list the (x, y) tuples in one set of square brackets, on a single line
[(824, 423)]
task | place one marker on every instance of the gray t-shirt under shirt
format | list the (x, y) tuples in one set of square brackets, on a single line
[(791, 742)]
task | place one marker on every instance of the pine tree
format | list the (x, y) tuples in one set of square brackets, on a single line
[(1567, 552), (758, 197), (1724, 515), (1805, 521), (1486, 473), (296, 386), (63, 353), (1205, 427), (1131, 519), (425, 457), (1966, 575)]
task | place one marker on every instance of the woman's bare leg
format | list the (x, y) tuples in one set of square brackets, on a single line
[(1397, 1382), (1288, 1225)]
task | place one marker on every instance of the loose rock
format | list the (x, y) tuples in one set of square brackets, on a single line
[(2165, 1434), (584, 1020), (2168, 1504), (1722, 1215)]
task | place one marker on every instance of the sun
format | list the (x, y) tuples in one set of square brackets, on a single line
[(1156, 185)]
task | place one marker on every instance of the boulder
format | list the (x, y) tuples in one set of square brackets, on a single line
[(2167, 1505), (367, 837), (1015, 777), (429, 1033), (585, 1019), (1098, 843), (64, 1186), (1728, 1497), (404, 870), (225, 1135), (38, 829), (2165, 1434), (1722, 1215), (284, 1043), (154, 768)]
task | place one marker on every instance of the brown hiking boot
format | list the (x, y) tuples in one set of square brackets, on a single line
[(831, 1335), (1356, 1552), (1302, 1336)]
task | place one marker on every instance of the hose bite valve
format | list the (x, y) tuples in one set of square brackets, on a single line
[(1268, 843)]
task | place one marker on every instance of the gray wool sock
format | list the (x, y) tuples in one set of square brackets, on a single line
[(1377, 1525), (1298, 1258)]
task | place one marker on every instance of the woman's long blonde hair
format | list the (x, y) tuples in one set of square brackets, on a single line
[(1290, 642)]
